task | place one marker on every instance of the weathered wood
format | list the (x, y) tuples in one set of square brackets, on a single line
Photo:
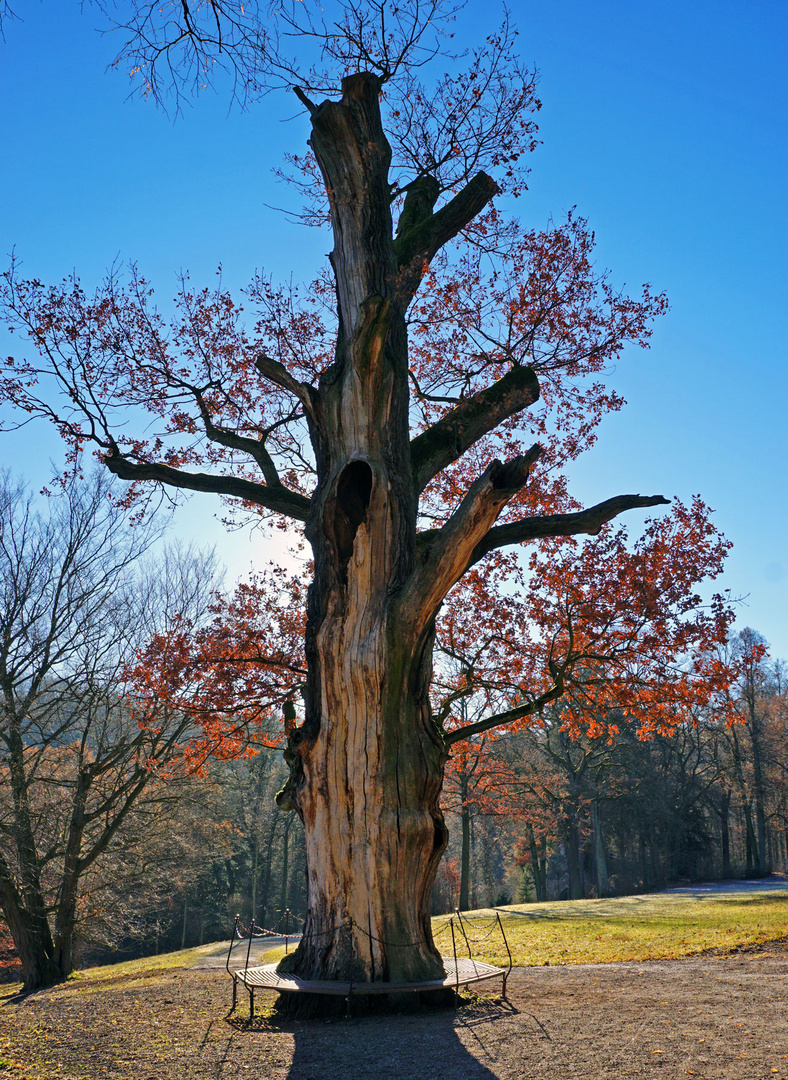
[(367, 763)]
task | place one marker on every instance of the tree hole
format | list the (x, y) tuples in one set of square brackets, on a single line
[(440, 835), (354, 490)]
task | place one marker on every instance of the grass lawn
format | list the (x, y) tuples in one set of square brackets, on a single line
[(160, 1018), (653, 927)]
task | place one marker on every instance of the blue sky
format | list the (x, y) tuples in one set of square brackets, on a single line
[(663, 123)]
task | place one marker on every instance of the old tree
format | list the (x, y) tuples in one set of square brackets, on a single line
[(410, 411)]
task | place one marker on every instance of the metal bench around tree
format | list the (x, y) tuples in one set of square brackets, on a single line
[(459, 971)]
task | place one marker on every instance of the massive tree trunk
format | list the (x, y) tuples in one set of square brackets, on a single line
[(367, 763)]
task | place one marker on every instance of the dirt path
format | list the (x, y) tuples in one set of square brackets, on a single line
[(721, 1018), (215, 954), (751, 885)]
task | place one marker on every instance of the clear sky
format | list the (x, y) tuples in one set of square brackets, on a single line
[(664, 123)]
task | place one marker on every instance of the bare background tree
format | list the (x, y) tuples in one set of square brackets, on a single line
[(77, 754)]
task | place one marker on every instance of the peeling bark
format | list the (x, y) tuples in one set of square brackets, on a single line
[(367, 763)]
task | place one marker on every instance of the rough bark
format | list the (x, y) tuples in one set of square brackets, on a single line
[(367, 763)]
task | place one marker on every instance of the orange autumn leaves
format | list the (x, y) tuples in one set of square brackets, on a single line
[(233, 673), (179, 386), (617, 625)]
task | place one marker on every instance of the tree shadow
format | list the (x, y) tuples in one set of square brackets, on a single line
[(443, 1044)]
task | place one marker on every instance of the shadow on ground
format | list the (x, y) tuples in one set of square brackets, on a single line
[(450, 1045)]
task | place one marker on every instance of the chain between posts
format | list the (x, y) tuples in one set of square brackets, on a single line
[(255, 931)]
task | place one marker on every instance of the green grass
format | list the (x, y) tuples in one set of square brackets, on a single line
[(146, 964), (655, 927), (127, 971), (273, 956)]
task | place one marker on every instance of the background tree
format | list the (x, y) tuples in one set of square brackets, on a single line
[(76, 752), (401, 491), (753, 745), (477, 783)]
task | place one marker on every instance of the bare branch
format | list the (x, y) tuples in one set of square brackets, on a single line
[(279, 499), (419, 240), (233, 441), (279, 375), (528, 708), (454, 433), (583, 521), (310, 105), (448, 556)]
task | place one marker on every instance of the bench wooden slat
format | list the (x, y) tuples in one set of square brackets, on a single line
[(266, 977)]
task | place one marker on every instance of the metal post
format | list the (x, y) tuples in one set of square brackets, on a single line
[(509, 951), (232, 942), (287, 927), (462, 927), (456, 964), (249, 946)]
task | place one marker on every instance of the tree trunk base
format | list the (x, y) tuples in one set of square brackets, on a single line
[(333, 1006), (46, 974)]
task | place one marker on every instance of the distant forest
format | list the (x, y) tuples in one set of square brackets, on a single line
[(533, 815)]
